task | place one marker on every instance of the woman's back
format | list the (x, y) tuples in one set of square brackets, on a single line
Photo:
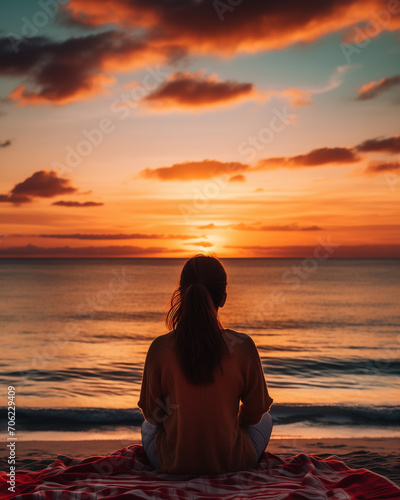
[(194, 378), (199, 428)]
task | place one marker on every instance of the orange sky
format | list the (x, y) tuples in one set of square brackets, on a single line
[(257, 130)]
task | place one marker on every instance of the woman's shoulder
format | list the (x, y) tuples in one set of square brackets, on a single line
[(240, 339), (160, 343), (238, 335)]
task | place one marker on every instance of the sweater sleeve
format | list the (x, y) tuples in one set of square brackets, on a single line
[(151, 400), (255, 398)]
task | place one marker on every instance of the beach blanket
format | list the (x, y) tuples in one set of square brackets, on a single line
[(126, 473)]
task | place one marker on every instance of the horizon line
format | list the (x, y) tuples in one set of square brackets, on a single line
[(183, 258)]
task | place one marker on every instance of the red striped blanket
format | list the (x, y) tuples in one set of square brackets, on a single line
[(126, 473)]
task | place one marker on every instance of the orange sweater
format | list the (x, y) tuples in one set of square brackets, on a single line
[(201, 426)]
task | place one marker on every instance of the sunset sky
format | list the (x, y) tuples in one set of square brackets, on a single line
[(164, 128)]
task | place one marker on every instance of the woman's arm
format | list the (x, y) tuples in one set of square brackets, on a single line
[(255, 397), (151, 400)]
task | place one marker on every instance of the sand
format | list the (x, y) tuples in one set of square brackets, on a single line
[(381, 455)]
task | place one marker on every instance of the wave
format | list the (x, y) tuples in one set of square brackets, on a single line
[(263, 323), (279, 370), (74, 419), (326, 415), (83, 419), (119, 316), (117, 372), (328, 366)]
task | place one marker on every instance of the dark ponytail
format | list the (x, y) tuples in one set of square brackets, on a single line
[(193, 317)]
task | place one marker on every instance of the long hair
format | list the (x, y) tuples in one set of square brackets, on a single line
[(193, 317)]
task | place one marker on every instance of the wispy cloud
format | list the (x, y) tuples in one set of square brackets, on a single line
[(303, 251), (89, 251), (373, 89), (120, 236), (237, 178), (63, 203), (262, 227), (382, 168), (208, 226), (274, 227), (315, 158), (387, 145), (204, 244)]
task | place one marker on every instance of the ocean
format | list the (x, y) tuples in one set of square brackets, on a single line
[(75, 333)]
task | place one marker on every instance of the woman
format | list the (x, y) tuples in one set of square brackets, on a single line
[(193, 380)]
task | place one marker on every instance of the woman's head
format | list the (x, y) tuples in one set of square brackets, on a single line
[(193, 317), (207, 271)]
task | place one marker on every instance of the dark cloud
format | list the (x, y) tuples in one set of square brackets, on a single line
[(195, 90), (374, 89), (229, 27), (78, 203), (260, 227), (303, 251), (237, 178), (275, 227), (382, 168), (324, 156), (41, 184), (188, 171), (66, 251), (17, 200), (208, 226), (59, 72), (316, 157), (5, 144), (133, 236), (193, 170), (160, 31), (205, 169), (388, 145)]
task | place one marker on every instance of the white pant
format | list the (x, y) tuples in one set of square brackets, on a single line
[(258, 433), (149, 432)]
